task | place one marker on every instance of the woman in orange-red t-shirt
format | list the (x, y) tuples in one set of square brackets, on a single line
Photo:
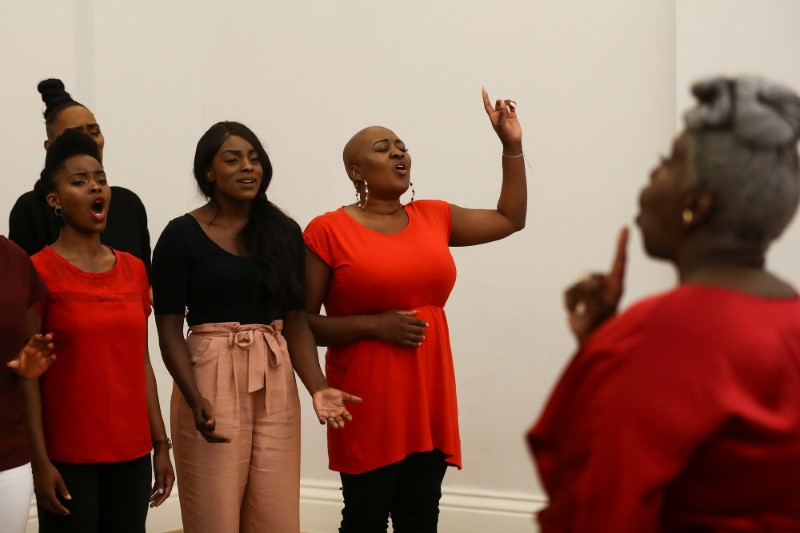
[(384, 272)]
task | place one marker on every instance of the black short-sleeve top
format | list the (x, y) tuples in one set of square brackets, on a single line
[(191, 271)]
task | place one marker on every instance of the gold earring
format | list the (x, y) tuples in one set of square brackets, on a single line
[(687, 216)]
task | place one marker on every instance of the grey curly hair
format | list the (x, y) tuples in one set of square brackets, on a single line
[(742, 138)]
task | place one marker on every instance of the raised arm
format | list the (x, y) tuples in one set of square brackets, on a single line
[(478, 226), (399, 327)]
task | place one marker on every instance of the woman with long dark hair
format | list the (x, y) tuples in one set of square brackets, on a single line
[(236, 264)]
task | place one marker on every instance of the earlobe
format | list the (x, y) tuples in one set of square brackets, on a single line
[(46, 144), (698, 209), (209, 176), (52, 200)]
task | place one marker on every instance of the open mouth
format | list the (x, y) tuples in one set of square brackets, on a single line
[(401, 168), (97, 209), (247, 181)]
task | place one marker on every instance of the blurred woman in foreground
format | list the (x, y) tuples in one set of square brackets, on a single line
[(683, 413)]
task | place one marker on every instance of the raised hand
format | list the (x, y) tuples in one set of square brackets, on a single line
[(399, 327), (329, 406), (205, 423), (595, 297), (503, 117), (34, 358)]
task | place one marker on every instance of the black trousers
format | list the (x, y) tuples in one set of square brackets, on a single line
[(106, 498), (408, 491)]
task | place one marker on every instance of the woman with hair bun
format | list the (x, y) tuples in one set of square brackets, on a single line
[(683, 412), (236, 264), (32, 224), (95, 418)]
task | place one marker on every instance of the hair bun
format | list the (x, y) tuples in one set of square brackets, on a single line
[(54, 95), (756, 111)]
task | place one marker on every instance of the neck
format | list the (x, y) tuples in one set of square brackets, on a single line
[(376, 206), (77, 243), (715, 258), (225, 209)]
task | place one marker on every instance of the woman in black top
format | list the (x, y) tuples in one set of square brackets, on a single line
[(32, 224), (237, 265)]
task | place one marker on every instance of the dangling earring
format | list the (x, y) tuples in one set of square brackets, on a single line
[(687, 216), (362, 204), (58, 210), (413, 192)]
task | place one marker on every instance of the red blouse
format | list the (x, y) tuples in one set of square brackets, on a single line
[(682, 414), (94, 404), (409, 393)]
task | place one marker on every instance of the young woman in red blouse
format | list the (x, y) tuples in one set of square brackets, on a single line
[(95, 417), (384, 272)]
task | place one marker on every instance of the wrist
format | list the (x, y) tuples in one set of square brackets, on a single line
[(164, 444)]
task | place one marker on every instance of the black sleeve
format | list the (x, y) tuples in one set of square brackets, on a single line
[(170, 276), (144, 234), (32, 225)]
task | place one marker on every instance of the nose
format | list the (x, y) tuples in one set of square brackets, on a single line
[(247, 166), (397, 153)]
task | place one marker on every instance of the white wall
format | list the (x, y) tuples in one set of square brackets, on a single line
[(596, 84)]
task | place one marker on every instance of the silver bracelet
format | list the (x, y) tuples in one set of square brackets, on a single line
[(513, 156)]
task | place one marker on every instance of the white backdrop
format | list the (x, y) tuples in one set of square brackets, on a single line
[(599, 85)]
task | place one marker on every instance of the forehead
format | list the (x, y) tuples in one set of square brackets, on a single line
[(81, 163), (73, 117), (234, 142)]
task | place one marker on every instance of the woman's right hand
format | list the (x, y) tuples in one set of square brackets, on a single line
[(399, 327), (46, 481), (594, 297), (205, 423)]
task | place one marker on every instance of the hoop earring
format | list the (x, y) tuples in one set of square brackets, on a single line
[(58, 210), (413, 192), (687, 216), (362, 204)]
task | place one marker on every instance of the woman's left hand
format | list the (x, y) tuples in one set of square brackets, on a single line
[(329, 405), (503, 117), (164, 476)]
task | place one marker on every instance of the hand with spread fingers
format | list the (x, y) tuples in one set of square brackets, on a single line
[(595, 297), (329, 406), (34, 358)]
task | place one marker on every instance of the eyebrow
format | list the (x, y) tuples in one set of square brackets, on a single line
[(237, 152), (386, 141)]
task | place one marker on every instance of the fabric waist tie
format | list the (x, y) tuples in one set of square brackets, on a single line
[(263, 345)]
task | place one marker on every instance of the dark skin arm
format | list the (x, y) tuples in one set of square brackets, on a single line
[(179, 363), (328, 402), (164, 475), (394, 326), (479, 226), (47, 481)]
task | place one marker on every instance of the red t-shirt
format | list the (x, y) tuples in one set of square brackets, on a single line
[(20, 288), (94, 399), (409, 393), (682, 414)]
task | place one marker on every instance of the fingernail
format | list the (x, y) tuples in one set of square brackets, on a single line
[(161, 491)]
